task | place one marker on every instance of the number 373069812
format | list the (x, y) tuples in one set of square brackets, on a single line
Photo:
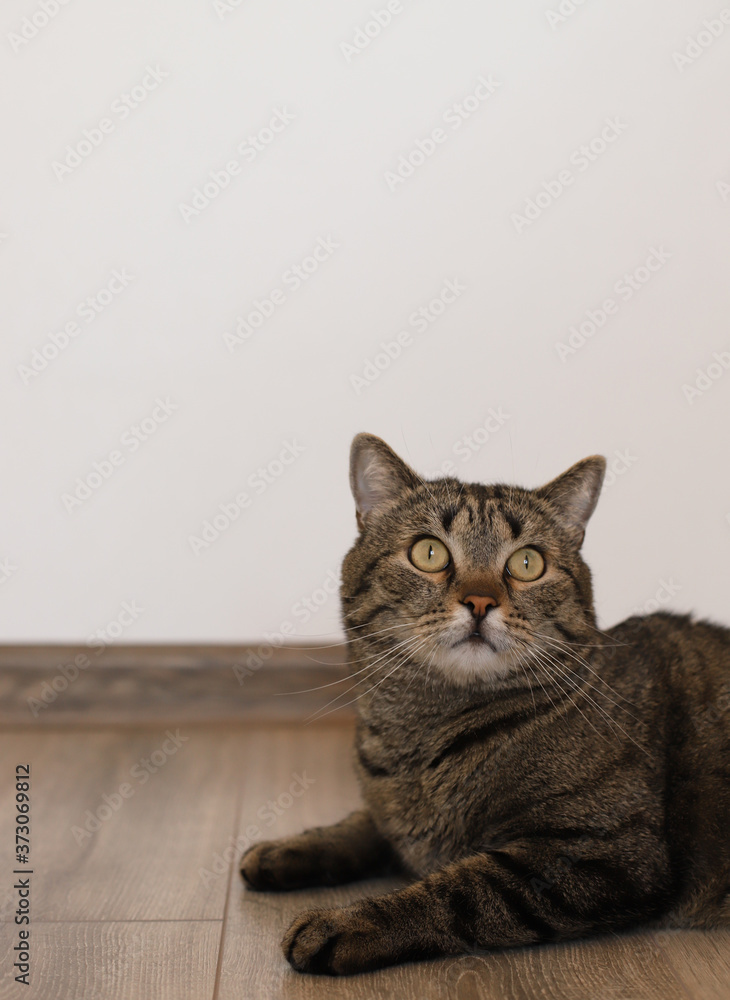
[(22, 817)]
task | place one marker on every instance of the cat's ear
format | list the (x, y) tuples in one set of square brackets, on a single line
[(574, 494), (377, 475)]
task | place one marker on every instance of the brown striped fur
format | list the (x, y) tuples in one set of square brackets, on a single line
[(540, 781)]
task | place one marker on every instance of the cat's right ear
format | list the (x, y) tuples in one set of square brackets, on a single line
[(377, 475)]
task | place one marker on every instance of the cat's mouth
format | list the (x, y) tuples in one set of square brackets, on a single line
[(474, 651), (476, 638)]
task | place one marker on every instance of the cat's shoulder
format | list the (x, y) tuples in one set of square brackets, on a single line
[(668, 635)]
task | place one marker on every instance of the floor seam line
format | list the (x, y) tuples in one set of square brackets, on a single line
[(229, 893)]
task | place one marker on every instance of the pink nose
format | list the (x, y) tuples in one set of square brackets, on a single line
[(479, 604)]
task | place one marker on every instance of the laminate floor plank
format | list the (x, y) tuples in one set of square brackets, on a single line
[(128, 960), (141, 860), (701, 961)]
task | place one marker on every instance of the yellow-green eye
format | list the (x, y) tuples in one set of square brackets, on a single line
[(429, 555), (526, 565)]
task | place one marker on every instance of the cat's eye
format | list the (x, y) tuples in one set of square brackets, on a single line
[(429, 555), (526, 565)]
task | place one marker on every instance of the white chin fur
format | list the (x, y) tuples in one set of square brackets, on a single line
[(466, 663)]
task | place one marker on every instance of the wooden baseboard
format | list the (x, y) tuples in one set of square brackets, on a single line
[(58, 685)]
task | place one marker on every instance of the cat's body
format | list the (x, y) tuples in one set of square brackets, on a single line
[(444, 781), (540, 779)]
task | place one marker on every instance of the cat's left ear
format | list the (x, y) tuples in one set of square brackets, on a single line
[(574, 494), (377, 475)]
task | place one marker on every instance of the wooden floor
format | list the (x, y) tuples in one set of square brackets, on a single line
[(126, 913)]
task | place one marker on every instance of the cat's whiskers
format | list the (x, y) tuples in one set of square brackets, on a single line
[(398, 665), (537, 653), (568, 674), (370, 668), (556, 643), (552, 674), (536, 674), (529, 684), (576, 681), (415, 672), (521, 626), (402, 657), (351, 628), (327, 645), (574, 703), (430, 664), (411, 652), (594, 628), (581, 644), (347, 662), (368, 660), (558, 646), (342, 680), (376, 665), (383, 635)]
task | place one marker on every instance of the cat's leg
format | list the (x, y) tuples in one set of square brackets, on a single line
[(495, 899), (705, 903), (326, 855)]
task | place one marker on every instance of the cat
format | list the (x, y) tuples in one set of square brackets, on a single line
[(537, 779)]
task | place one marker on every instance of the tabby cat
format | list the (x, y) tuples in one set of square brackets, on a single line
[(536, 778)]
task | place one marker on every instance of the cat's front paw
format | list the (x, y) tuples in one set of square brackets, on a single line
[(263, 866), (335, 942), (290, 863)]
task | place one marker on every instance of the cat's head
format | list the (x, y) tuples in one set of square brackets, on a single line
[(470, 580)]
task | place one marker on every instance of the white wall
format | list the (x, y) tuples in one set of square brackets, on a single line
[(663, 183)]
